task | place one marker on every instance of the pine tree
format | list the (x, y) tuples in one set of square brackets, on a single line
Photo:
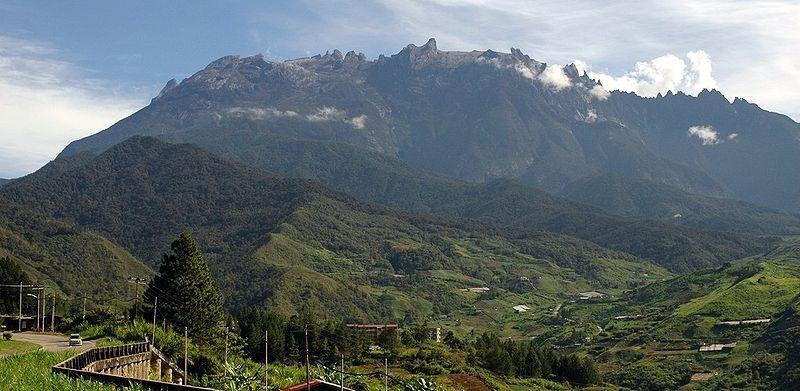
[(188, 295)]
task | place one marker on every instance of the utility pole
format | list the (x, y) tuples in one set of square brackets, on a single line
[(266, 359), (386, 378), (136, 307), (38, 306), (19, 320), (308, 362), (38, 314), (341, 376), (186, 356), (84, 310), (136, 281), (155, 308), (53, 316), (44, 309)]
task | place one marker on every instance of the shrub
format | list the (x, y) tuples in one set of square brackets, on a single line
[(7, 336)]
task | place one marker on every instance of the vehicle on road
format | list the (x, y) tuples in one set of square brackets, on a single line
[(75, 340)]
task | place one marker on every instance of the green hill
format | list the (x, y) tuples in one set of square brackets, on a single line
[(642, 198), (381, 179), (70, 259), (650, 337), (293, 242), (757, 287)]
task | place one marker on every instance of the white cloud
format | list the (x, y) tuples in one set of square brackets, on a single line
[(260, 113), (754, 44), (524, 71), (599, 92), (705, 133), (555, 77), (358, 122), (581, 66), (662, 74), (330, 114), (699, 76), (733, 136), (45, 103), (325, 114)]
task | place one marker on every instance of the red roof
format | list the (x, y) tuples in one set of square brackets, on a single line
[(374, 326)]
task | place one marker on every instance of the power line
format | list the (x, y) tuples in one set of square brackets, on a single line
[(136, 281), (160, 292)]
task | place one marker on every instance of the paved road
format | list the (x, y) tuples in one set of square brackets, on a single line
[(51, 342)]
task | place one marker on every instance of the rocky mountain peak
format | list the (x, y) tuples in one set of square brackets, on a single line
[(223, 62), (712, 96), (572, 71), (430, 45), (171, 85)]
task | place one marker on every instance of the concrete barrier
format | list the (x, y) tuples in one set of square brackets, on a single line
[(123, 365)]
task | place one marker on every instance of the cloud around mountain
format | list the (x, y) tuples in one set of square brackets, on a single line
[(691, 75)]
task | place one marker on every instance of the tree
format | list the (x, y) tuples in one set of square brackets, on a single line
[(452, 341), (253, 321), (11, 273), (188, 295), (387, 339)]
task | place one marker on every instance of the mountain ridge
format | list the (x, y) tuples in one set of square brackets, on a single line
[(624, 196), (483, 115), (381, 179), (284, 241)]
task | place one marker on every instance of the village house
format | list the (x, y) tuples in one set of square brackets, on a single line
[(717, 347)]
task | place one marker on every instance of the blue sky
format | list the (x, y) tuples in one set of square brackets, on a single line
[(70, 69)]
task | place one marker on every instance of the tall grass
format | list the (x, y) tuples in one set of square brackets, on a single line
[(31, 372)]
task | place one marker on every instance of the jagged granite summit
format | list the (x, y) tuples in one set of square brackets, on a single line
[(480, 115)]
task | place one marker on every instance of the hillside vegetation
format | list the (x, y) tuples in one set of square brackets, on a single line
[(650, 336), (648, 199), (69, 259), (297, 244), (378, 178)]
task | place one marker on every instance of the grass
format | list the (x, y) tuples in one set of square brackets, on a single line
[(763, 294), (31, 372), (8, 348)]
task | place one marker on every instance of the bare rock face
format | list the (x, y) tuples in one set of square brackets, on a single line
[(480, 115)]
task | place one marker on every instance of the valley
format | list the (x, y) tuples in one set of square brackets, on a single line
[(459, 219)]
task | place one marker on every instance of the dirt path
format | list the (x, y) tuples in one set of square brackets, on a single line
[(51, 342)]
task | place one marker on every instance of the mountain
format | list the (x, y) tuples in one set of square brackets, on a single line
[(747, 149), (648, 199), (293, 242), (378, 178), (75, 261), (483, 115), (4, 181)]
